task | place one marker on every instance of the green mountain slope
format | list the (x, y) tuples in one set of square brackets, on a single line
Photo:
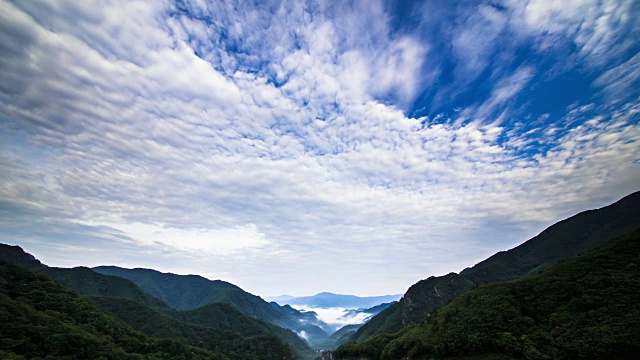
[(587, 307), (216, 327), (584, 231), (187, 292), (82, 280), (121, 296), (227, 317), (41, 318), (342, 335), (181, 292)]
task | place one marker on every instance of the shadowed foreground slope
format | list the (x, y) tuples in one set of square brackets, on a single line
[(217, 327), (41, 318)]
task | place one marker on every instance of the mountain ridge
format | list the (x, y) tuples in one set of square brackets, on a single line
[(118, 292), (188, 292), (584, 307), (80, 279), (45, 319), (569, 237)]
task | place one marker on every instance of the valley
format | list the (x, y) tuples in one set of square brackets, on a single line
[(221, 319)]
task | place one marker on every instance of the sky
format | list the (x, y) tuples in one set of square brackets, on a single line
[(294, 147)]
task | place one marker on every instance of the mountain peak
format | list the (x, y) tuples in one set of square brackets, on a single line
[(16, 255)]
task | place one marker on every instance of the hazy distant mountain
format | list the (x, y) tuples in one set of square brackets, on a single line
[(584, 231), (363, 315), (279, 299), (330, 300)]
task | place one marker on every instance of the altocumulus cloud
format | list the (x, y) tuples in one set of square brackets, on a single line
[(279, 143)]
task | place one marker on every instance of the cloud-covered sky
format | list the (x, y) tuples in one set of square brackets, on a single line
[(305, 146)]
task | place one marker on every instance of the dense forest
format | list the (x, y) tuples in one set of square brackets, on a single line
[(586, 307), (42, 319), (570, 237), (221, 328)]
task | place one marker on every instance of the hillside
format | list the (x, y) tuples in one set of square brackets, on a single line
[(570, 237), (188, 292), (343, 334), (41, 318), (82, 280), (216, 327), (121, 296), (587, 307)]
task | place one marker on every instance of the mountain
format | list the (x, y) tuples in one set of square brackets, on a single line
[(343, 334), (329, 300), (44, 319), (278, 299), (363, 315), (80, 279), (215, 327), (127, 301), (309, 318), (586, 307), (188, 292), (570, 237)]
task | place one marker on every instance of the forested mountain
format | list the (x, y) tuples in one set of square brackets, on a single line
[(587, 307), (225, 331), (343, 334), (42, 319), (581, 232), (187, 292), (82, 280), (217, 327)]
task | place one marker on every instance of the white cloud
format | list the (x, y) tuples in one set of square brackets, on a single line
[(474, 50), (203, 242), (591, 25), (621, 81), (274, 140)]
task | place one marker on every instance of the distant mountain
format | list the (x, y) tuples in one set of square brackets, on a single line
[(586, 307), (584, 231), (278, 299), (44, 319), (309, 318), (330, 300), (356, 318), (363, 315), (80, 279), (188, 292)]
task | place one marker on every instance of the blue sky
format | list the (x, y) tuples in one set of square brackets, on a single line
[(298, 147)]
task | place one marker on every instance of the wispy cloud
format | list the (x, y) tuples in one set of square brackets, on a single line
[(274, 141)]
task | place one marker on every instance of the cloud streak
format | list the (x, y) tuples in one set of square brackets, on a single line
[(277, 141)]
